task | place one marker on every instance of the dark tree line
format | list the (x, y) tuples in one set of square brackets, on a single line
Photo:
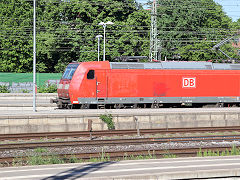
[(67, 30)]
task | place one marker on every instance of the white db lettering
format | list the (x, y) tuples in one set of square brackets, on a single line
[(189, 82)]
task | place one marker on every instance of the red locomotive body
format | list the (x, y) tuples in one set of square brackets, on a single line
[(111, 84)]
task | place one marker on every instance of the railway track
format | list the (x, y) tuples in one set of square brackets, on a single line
[(76, 134), (115, 142), (113, 155)]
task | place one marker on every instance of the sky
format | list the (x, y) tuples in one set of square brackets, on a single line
[(231, 7)]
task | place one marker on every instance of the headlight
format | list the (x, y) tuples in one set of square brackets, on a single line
[(66, 86), (60, 86)]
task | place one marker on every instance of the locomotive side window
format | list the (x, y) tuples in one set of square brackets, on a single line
[(91, 74)]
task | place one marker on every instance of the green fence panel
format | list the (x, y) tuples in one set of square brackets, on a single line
[(41, 78)]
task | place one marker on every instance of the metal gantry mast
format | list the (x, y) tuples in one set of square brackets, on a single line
[(153, 53)]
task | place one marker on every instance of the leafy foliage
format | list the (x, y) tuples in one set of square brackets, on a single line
[(107, 118), (4, 89), (47, 89), (16, 50), (66, 31), (189, 29)]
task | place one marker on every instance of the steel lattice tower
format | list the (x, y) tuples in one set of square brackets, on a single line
[(153, 53)]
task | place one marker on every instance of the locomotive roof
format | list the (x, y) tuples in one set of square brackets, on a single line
[(175, 65)]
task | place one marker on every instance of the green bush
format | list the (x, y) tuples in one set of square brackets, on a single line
[(41, 160), (47, 89), (4, 89), (107, 118), (25, 91)]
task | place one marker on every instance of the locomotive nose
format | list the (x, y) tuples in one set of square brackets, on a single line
[(63, 88)]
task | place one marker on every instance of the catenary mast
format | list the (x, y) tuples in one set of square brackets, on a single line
[(153, 53)]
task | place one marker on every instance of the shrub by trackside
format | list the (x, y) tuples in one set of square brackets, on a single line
[(107, 118), (47, 89), (4, 89)]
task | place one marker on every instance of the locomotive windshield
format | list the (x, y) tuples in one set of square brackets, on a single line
[(71, 68)]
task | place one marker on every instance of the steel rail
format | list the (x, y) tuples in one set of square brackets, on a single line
[(115, 142), (115, 132)]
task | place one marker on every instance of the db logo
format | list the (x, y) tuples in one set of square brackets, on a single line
[(189, 82)]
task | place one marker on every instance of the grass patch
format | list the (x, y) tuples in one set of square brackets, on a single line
[(169, 156), (56, 159), (232, 152), (139, 157), (40, 160), (44, 160), (40, 150)]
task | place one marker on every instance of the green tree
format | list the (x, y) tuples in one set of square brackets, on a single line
[(189, 29), (236, 25), (70, 35), (66, 32), (15, 38)]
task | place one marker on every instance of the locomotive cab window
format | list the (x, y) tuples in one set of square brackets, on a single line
[(91, 74)]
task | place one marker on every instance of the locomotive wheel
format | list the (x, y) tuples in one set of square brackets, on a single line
[(101, 106), (60, 105), (69, 106), (220, 104), (154, 106), (117, 106), (85, 106)]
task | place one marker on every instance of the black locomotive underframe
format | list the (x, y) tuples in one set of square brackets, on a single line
[(145, 102)]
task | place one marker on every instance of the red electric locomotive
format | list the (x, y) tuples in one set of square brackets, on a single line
[(132, 84)]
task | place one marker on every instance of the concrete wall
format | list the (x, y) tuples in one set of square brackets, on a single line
[(53, 123), (24, 101), (27, 96)]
